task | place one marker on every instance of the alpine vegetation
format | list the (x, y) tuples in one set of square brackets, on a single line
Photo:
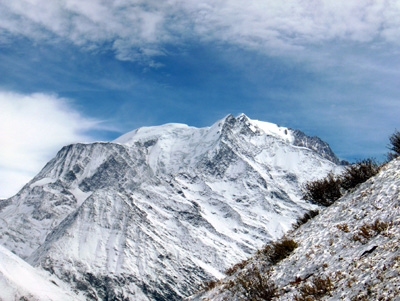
[(328, 190), (394, 145)]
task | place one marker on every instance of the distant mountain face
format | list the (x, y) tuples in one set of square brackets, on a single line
[(161, 209), (350, 251), (316, 144)]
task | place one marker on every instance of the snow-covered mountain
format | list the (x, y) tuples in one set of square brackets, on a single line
[(350, 251), (161, 209)]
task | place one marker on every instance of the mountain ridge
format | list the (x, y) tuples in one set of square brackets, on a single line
[(155, 213)]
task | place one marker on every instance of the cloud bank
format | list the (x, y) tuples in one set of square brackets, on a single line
[(139, 30), (32, 129)]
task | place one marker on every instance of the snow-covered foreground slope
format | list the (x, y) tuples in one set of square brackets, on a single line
[(20, 281), (351, 250), (161, 209)]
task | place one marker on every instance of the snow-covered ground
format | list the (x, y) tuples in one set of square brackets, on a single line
[(20, 281), (352, 249)]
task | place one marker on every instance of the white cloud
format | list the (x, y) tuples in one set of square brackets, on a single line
[(138, 29), (32, 129)]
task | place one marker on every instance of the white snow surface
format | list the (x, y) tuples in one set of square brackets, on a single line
[(161, 209), (42, 182), (272, 129), (20, 281), (361, 265)]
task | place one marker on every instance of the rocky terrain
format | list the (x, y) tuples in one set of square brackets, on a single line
[(160, 210), (350, 251)]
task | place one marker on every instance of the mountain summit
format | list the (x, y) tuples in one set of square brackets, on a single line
[(159, 210)]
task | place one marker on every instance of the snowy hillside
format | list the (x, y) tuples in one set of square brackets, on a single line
[(161, 209), (350, 251), (20, 281)]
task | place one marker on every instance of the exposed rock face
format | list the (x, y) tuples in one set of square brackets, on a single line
[(161, 209), (316, 144)]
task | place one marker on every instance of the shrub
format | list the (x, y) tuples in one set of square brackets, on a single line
[(358, 173), (257, 286), (323, 192), (328, 190), (280, 250), (232, 270), (209, 285), (394, 145), (305, 218), (343, 227), (317, 289), (379, 226), (365, 232)]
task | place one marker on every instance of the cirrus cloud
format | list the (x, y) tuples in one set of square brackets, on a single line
[(139, 30)]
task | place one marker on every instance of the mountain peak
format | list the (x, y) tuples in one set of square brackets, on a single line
[(176, 136), (242, 116), (232, 119), (153, 132)]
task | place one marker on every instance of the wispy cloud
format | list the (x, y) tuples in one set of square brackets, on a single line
[(32, 128), (139, 30)]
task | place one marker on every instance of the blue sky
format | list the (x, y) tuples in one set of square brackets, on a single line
[(80, 71)]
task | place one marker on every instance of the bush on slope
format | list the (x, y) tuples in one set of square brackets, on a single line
[(328, 190), (394, 145)]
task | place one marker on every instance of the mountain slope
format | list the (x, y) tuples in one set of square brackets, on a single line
[(349, 251), (20, 281), (161, 209)]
